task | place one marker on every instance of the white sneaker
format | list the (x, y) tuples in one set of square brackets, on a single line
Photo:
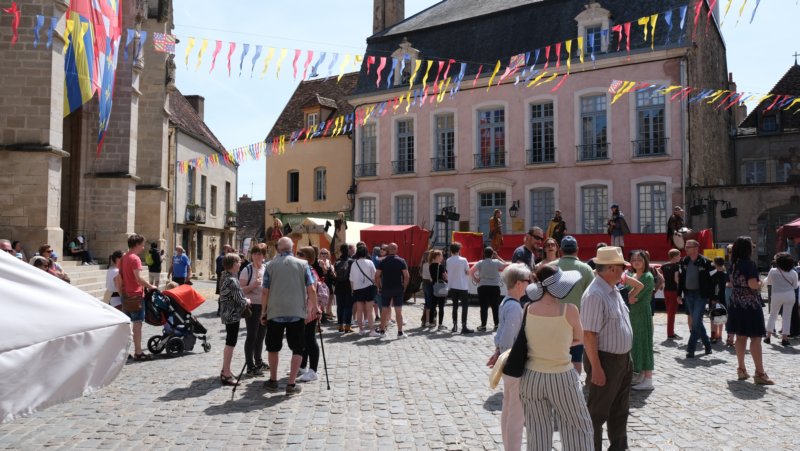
[(375, 334), (646, 384), (363, 332), (300, 371), (637, 378), (309, 376)]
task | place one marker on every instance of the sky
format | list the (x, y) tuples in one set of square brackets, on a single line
[(242, 110)]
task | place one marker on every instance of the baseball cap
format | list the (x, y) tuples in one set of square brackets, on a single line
[(569, 244)]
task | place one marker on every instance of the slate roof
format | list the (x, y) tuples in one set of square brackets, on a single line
[(325, 91), (185, 118), (483, 31), (788, 84)]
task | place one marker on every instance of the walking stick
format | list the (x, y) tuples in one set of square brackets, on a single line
[(233, 392), (324, 361)]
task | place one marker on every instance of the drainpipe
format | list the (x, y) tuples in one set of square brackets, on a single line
[(684, 134), (353, 166), (175, 198)]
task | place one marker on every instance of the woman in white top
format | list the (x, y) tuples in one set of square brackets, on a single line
[(114, 280), (250, 279), (783, 280), (362, 279)]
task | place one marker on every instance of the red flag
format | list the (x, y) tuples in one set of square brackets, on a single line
[(697, 8), (436, 81), (14, 11), (546, 56), (628, 33), (308, 61), (560, 83), (370, 62), (214, 57), (480, 68), (447, 70), (294, 62), (618, 29), (380, 69), (231, 49), (558, 55)]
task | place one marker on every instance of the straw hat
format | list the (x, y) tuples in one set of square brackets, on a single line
[(558, 285), (609, 255), (497, 369)]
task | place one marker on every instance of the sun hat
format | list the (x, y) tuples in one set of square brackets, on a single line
[(569, 244), (609, 255), (497, 369), (558, 285)]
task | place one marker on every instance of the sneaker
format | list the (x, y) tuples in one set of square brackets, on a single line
[(375, 334), (271, 385), (255, 371), (262, 366), (401, 335), (454, 329), (637, 378), (466, 330), (301, 371), (363, 331), (442, 327), (481, 328), (310, 376), (646, 384), (292, 390)]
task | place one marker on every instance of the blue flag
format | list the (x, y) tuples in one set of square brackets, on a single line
[(37, 26)]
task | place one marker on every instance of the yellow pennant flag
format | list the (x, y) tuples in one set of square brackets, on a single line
[(535, 80), (644, 21), (791, 105), (343, 65), (580, 48), (442, 90), (714, 97), (548, 80), (368, 114), (408, 100), (203, 47), (494, 72), (763, 98), (413, 77), (741, 10), (568, 46), (270, 54), (653, 21), (425, 81), (282, 145), (626, 86), (357, 61), (189, 47), (669, 89), (724, 15), (280, 61)]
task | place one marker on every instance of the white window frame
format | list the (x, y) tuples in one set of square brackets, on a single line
[(579, 200), (358, 207), (435, 211), (312, 119), (320, 183), (537, 186), (591, 92), (476, 147), (538, 100), (747, 162), (360, 145), (395, 138), (414, 206), (434, 143), (632, 214), (634, 119)]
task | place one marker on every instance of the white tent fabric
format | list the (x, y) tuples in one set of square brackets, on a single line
[(312, 226), (56, 342)]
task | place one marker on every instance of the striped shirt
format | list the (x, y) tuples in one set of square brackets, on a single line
[(603, 311)]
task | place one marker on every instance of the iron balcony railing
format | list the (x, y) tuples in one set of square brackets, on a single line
[(195, 214), (366, 170), (490, 160), (403, 166), (595, 151), (654, 147), (445, 163), (541, 156)]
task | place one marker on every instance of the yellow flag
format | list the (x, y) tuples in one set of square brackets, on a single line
[(413, 77), (535, 80), (408, 99), (653, 21), (791, 105), (624, 89), (568, 45), (551, 78), (580, 47), (357, 61), (714, 97), (280, 61), (341, 68), (442, 90), (270, 54), (644, 21), (203, 47), (494, 72), (727, 7), (741, 10), (67, 32), (669, 89), (425, 81), (189, 47)]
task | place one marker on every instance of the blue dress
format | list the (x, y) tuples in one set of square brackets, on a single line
[(745, 314)]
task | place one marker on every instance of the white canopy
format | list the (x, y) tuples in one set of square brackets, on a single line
[(56, 342), (316, 226)]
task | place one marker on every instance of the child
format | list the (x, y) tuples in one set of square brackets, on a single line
[(719, 278)]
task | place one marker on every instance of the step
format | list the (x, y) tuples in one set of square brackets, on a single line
[(87, 278), (91, 287)]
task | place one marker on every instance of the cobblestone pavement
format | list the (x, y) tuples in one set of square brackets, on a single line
[(428, 391)]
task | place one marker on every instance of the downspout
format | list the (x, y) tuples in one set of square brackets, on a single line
[(684, 134), (353, 166), (175, 197)]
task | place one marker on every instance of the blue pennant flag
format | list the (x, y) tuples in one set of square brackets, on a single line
[(245, 49), (128, 40), (36, 28), (255, 58), (53, 24)]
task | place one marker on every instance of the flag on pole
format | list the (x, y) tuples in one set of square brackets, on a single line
[(164, 43)]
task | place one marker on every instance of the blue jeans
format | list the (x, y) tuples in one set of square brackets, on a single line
[(695, 305)]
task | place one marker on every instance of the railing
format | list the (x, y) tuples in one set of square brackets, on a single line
[(230, 220), (403, 166), (366, 170), (655, 147), (490, 160), (541, 156), (195, 214), (446, 163), (590, 152)]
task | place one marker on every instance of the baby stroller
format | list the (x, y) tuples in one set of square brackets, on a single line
[(172, 309)]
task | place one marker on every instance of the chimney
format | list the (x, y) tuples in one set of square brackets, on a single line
[(387, 13), (198, 103), (245, 198)]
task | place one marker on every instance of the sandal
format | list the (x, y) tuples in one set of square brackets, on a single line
[(142, 357), (762, 379), (228, 381), (729, 342), (742, 374)]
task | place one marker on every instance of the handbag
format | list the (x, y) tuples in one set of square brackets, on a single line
[(247, 311), (440, 289), (131, 303), (518, 357)]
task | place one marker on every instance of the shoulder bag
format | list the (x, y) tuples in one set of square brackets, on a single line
[(439, 287), (518, 357), (131, 303)]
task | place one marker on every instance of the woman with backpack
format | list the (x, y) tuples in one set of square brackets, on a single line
[(311, 351), (362, 278), (250, 279)]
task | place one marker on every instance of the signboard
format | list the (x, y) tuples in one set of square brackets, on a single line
[(711, 254)]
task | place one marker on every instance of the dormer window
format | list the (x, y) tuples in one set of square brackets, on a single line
[(769, 123), (406, 57), (312, 119), (593, 21)]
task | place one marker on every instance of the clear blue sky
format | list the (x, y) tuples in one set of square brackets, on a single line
[(242, 110)]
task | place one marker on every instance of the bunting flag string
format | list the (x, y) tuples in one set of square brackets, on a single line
[(16, 14), (217, 49), (203, 47), (189, 47), (245, 49), (231, 49), (37, 27), (259, 48)]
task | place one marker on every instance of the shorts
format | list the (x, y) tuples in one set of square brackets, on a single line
[(576, 352), (366, 294), (389, 297), (295, 336), (136, 317), (179, 280)]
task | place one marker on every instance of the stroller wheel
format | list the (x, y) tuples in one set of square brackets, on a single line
[(154, 344), (206, 347), (175, 346)]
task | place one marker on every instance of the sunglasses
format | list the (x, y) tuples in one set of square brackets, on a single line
[(536, 237)]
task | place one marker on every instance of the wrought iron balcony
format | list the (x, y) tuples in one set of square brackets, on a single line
[(591, 152), (230, 219), (403, 166), (366, 170), (490, 160), (195, 214), (654, 147), (541, 156), (445, 163)]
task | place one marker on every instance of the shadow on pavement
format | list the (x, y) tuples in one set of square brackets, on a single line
[(253, 397), (198, 388), (207, 315), (670, 343), (638, 398), (781, 349), (699, 361), (746, 390), (494, 403)]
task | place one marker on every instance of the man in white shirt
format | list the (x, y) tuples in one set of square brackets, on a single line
[(458, 285)]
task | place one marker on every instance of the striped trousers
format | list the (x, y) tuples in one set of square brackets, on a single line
[(550, 396)]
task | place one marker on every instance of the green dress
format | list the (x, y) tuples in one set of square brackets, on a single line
[(642, 325)]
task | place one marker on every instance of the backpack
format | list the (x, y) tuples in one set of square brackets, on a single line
[(323, 295), (342, 268), (148, 258)]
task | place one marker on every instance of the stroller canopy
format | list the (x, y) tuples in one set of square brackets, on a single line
[(186, 296), (56, 342)]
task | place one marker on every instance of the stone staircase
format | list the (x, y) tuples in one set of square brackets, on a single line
[(91, 278)]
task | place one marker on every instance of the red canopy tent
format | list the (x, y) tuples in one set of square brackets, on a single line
[(787, 232)]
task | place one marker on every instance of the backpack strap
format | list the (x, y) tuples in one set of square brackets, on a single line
[(362, 272)]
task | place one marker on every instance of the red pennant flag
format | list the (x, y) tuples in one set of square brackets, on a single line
[(214, 57), (777, 98), (14, 11), (711, 5), (480, 68), (447, 70), (380, 69), (628, 33), (560, 83), (294, 62), (370, 62), (546, 56), (436, 82), (697, 8), (618, 29), (231, 49), (308, 61), (558, 55)]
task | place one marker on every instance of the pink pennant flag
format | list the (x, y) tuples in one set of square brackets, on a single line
[(231, 49), (436, 81), (560, 83), (217, 48), (558, 55), (294, 62), (697, 8), (474, 82), (381, 66), (711, 5), (308, 61), (546, 57), (370, 62), (447, 70)]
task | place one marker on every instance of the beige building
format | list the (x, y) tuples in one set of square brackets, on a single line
[(204, 216), (313, 177)]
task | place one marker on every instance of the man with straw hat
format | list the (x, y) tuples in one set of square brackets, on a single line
[(608, 338)]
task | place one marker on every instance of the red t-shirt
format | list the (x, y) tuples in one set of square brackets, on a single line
[(131, 266)]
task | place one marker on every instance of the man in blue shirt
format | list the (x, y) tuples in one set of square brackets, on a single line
[(530, 247), (392, 278), (181, 270)]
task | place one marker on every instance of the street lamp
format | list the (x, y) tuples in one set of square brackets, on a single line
[(446, 215), (351, 193), (514, 209)]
